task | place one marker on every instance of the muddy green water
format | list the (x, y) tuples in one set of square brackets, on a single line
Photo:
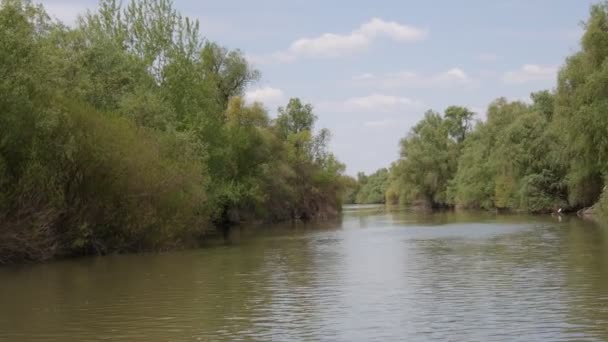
[(374, 275)]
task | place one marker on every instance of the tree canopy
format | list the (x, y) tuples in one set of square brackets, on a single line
[(129, 132), (539, 156)]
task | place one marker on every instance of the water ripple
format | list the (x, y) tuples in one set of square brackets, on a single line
[(376, 276)]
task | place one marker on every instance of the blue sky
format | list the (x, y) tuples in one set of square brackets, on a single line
[(372, 68)]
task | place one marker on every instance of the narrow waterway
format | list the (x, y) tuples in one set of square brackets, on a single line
[(374, 275)]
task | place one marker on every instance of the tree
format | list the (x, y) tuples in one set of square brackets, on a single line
[(427, 163), (372, 189), (317, 174), (429, 158), (580, 109), (128, 132), (228, 71), (458, 119), (295, 118)]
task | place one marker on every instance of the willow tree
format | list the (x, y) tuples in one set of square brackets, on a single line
[(429, 157), (427, 161), (581, 107)]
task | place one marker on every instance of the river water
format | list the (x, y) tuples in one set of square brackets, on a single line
[(374, 275)]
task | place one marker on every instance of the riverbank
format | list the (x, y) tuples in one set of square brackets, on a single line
[(127, 133), (44, 248)]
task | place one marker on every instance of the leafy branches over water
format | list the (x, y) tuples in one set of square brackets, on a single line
[(128, 132), (536, 157)]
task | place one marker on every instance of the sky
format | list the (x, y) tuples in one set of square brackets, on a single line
[(371, 69)]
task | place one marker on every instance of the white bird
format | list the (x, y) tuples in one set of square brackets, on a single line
[(559, 211)]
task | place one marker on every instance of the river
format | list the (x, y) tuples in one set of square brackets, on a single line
[(373, 275)]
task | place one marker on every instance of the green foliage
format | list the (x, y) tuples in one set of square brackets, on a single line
[(539, 157), (295, 118), (513, 160), (315, 175), (369, 189), (129, 132), (473, 184), (458, 120), (581, 105), (429, 155), (132, 188)]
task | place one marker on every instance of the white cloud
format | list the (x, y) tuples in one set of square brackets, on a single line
[(454, 74), (487, 57), (530, 73), (371, 103), (403, 33), (448, 78), (332, 45), (266, 95), (326, 45)]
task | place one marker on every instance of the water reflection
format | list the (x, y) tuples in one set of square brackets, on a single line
[(376, 274)]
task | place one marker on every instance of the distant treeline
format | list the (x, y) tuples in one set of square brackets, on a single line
[(367, 189), (128, 132), (537, 157)]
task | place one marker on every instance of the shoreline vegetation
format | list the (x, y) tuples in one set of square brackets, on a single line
[(129, 132), (539, 157)]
